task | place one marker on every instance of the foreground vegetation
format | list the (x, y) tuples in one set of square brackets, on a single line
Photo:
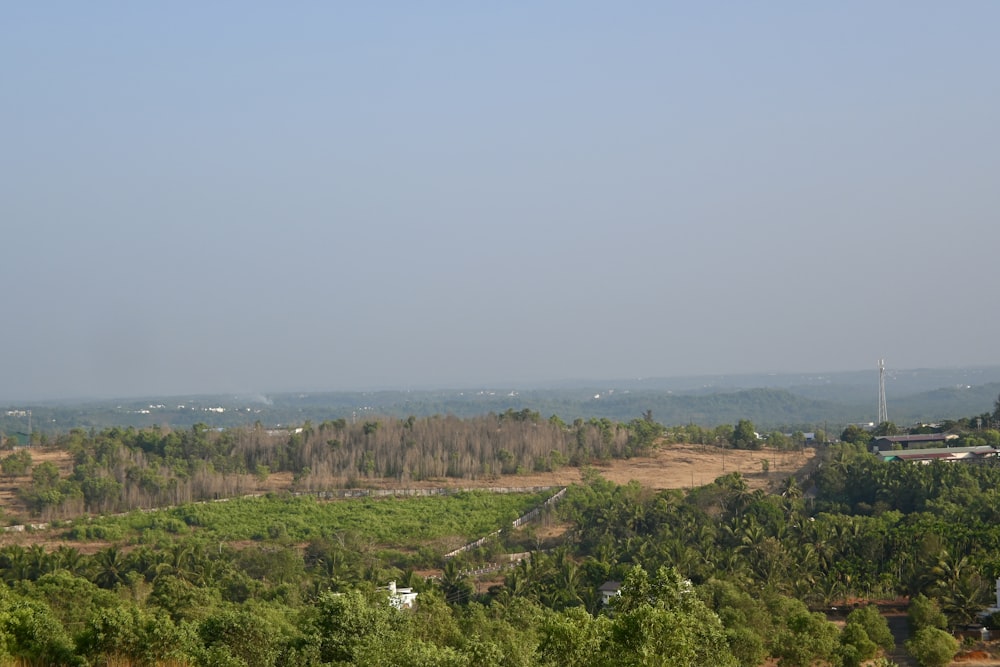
[(717, 575)]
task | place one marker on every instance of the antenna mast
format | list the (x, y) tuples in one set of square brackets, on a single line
[(883, 414)]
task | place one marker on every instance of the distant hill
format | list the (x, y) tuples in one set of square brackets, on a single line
[(788, 402)]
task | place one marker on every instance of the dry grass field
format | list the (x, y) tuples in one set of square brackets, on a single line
[(687, 466), (668, 467)]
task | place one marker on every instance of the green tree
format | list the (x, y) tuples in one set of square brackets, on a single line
[(875, 626), (745, 435), (855, 435), (802, 638), (243, 634), (932, 647), (855, 646), (455, 586), (347, 622), (866, 631), (884, 429), (778, 440), (661, 621), (73, 600), (959, 588), (111, 567), (182, 600), (128, 633), (572, 638), (924, 612), (32, 633), (44, 476), (17, 463)]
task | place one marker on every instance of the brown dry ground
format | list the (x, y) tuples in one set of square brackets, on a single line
[(981, 655), (10, 485), (669, 467)]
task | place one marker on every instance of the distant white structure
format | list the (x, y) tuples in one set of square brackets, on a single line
[(401, 598)]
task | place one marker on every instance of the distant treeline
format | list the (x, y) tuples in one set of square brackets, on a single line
[(785, 409), (119, 469)]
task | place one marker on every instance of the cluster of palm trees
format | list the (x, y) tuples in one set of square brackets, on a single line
[(111, 566), (785, 541)]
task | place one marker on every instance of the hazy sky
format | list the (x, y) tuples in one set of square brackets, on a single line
[(248, 197)]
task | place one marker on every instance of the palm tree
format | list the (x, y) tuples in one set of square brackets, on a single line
[(958, 585), (13, 563), (111, 567), (177, 561), (735, 566), (39, 562), (566, 581), (144, 560), (455, 585), (70, 559)]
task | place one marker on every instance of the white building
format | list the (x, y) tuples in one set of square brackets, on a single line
[(401, 598), (609, 590)]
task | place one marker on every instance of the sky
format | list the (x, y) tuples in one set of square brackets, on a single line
[(237, 197)]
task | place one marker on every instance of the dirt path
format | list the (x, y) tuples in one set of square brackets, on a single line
[(900, 632)]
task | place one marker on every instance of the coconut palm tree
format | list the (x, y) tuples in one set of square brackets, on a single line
[(111, 567), (455, 585)]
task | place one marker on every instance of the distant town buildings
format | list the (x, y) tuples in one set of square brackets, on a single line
[(968, 454), (924, 439)]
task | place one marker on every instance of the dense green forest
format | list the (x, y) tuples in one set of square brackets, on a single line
[(715, 575)]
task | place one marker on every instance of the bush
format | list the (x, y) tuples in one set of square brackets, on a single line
[(932, 647)]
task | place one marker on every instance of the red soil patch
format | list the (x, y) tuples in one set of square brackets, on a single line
[(972, 655)]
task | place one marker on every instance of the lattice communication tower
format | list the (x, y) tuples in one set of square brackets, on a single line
[(883, 414)]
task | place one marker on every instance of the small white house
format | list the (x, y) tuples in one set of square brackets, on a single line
[(609, 590), (401, 598)]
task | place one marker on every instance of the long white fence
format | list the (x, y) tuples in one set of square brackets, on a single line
[(517, 523)]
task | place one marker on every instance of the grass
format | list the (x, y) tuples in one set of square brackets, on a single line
[(393, 522)]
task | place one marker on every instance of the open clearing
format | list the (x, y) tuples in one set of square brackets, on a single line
[(669, 467)]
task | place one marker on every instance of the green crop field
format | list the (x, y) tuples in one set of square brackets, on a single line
[(392, 521)]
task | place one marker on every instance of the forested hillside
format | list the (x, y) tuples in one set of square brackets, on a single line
[(781, 402)]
